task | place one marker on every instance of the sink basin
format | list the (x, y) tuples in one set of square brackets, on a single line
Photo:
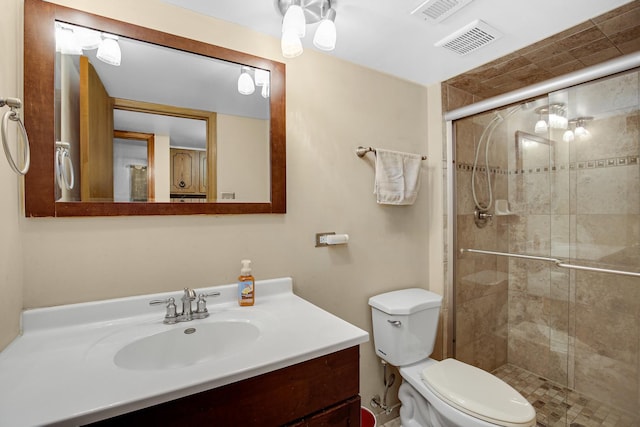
[(186, 345)]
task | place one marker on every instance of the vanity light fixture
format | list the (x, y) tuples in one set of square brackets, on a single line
[(245, 82), (109, 50), (297, 15), (325, 37)]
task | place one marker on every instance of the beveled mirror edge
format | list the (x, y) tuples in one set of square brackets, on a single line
[(39, 63)]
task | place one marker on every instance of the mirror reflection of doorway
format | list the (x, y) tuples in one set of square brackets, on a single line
[(133, 166)]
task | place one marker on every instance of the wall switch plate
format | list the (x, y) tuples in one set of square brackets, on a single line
[(227, 195), (321, 238)]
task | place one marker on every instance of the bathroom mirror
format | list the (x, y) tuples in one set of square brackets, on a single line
[(217, 194)]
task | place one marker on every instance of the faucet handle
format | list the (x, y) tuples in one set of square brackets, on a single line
[(171, 316), (201, 311)]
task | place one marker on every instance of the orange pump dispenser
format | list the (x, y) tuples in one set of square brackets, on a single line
[(246, 285)]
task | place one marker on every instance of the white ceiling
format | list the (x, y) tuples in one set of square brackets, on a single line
[(383, 35)]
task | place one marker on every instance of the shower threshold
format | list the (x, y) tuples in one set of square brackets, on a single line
[(558, 406)]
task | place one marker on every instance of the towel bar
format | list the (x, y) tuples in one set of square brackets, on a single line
[(361, 151)]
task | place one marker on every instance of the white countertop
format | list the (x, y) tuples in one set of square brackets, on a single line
[(60, 371)]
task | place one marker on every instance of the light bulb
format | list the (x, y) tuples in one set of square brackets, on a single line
[(582, 132), (568, 136), (325, 37), (294, 21), (66, 42), (262, 77), (541, 127), (88, 39), (245, 83), (109, 50), (291, 45)]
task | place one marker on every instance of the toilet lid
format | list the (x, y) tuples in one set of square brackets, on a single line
[(478, 393)]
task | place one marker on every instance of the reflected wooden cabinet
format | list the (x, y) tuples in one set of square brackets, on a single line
[(202, 172), (188, 175)]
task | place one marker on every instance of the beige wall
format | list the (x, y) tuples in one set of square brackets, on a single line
[(10, 242), (242, 149), (332, 106)]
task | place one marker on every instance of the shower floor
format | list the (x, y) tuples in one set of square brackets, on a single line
[(552, 401)]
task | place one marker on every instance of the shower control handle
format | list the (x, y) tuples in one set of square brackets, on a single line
[(481, 217), (484, 215)]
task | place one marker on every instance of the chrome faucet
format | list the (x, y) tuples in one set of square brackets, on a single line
[(188, 296), (172, 316)]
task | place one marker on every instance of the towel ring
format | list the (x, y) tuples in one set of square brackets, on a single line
[(64, 166), (12, 115)]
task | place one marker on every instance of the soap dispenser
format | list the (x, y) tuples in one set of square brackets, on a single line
[(246, 285)]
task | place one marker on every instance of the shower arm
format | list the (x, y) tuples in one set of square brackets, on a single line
[(558, 262)]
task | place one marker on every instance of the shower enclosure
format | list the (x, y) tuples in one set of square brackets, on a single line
[(546, 290)]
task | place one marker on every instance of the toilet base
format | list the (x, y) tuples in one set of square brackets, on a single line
[(416, 411), (425, 409)]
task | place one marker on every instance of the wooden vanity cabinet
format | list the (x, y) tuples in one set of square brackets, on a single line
[(319, 392)]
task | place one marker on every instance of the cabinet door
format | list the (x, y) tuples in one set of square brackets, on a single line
[(184, 171), (345, 414), (202, 172)]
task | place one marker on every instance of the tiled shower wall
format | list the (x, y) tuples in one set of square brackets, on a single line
[(575, 200), (598, 340), (481, 289)]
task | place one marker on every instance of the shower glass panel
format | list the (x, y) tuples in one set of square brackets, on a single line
[(557, 177)]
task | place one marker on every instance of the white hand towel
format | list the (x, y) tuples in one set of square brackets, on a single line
[(397, 177)]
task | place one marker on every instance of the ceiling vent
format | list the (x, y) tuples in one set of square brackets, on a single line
[(470, 38), (438, 10)]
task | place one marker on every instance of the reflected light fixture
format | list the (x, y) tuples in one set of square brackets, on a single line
[(262, 80), (297, 15), (568, 135), (72, 40), (555, 114), (66, 42), (109, 50), (580, 130), (245, 83), (541, 126), (89, 39)]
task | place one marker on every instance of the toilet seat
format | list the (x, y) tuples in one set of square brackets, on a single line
[(478, 393)]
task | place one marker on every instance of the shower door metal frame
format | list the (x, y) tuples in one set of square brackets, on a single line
[(594, 72)]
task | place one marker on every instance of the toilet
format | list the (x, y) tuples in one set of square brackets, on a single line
[(438, 393)]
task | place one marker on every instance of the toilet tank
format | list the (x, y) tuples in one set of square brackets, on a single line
[(405, 324)]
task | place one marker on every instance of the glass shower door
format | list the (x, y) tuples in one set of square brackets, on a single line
[(596, 223)]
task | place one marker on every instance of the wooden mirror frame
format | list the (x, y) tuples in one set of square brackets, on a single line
[(39, 68)]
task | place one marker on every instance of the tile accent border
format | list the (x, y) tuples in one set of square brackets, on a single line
[(587, 164)]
